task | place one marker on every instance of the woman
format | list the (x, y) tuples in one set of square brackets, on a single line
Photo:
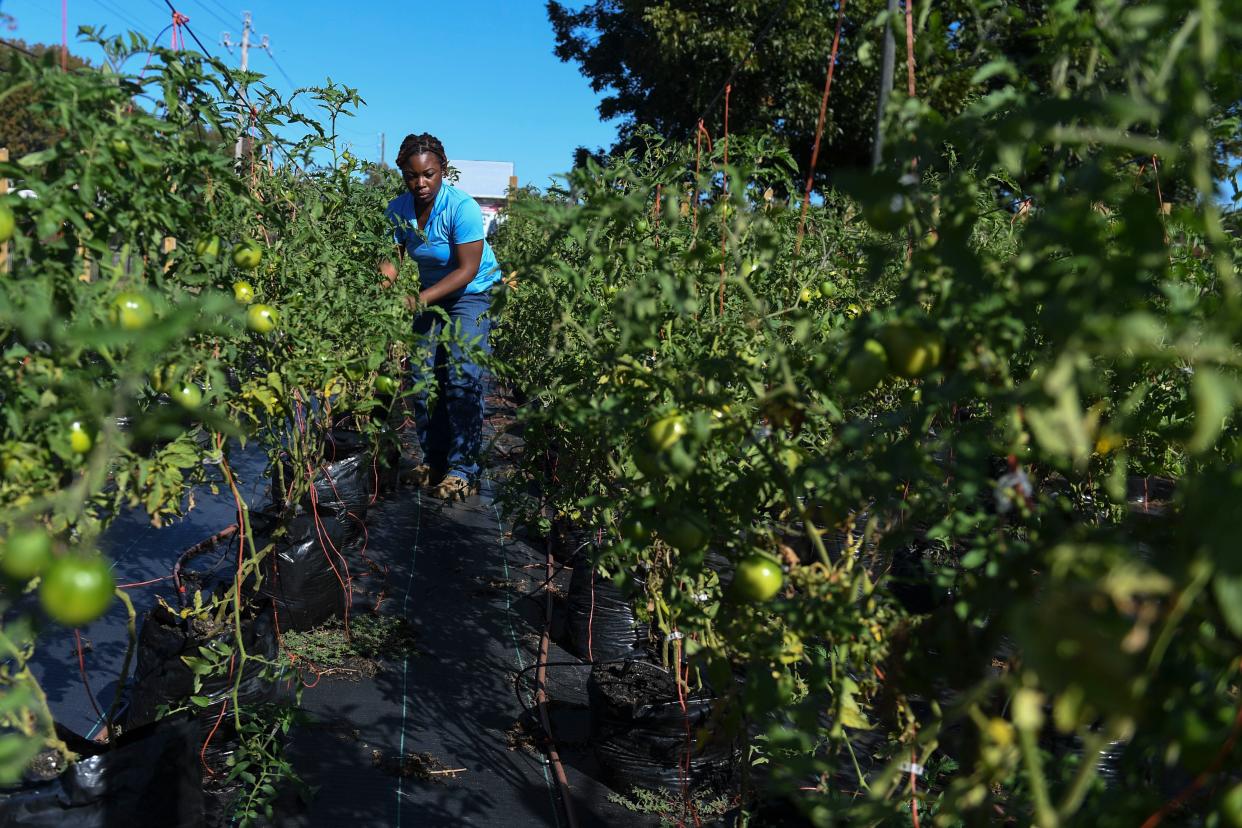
[(442, 229)]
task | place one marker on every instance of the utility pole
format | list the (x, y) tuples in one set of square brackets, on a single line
[(383, 154), (886, 84), (227, 42)]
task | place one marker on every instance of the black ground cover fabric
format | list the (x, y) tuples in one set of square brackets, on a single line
[(148, 778), (451, 704), (373, 744)]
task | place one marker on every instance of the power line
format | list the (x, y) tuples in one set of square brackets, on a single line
[(125, 18), (228, 79), (280, 68), (18, 48), (209, 10), (227, 12)]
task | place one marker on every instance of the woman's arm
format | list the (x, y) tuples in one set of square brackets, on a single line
[(467, 256), (388, 270)]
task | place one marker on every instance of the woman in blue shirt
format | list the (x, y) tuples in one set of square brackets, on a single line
[(441, 228)]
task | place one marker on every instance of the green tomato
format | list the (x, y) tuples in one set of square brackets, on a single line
[(248, 255), (757, 578), (76, 589), (642, 227), (635, 530), (188, 396), (912, 352), (386, 385), (132, 311), (243, 292), (261, 318), (27, 552), (665, 432), (867, 367), (120, 148), (805, 295), (887, 214), (827, 289), (1230, 808), (80, 439), (208, 247), (685, 531), (8, 223)]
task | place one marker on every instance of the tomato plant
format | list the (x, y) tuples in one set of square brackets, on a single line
[(118, 300), (942, 448)]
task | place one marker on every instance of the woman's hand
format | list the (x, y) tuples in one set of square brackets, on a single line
[(389, 271), (412, 303)]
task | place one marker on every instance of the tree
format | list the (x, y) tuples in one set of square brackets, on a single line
[(664, 63), (23, 127)]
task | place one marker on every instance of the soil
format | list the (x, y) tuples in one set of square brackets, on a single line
[(46, 765), (520, 736), (414, 766), (633, 683)]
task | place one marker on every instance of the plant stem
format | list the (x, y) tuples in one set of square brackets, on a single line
[(1045, 816), (42, 711), (1091, 746), (131, 631)]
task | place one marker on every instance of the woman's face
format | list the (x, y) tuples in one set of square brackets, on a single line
[(423, 176)]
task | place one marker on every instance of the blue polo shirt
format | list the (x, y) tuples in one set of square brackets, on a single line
[(455, 219)]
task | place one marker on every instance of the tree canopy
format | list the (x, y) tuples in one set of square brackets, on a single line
[(22, 129), (663, 63)]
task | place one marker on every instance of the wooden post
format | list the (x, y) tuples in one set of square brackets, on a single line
[(4, 190), (513, 185)]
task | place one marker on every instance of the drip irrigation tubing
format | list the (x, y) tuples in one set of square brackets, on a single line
[(196, 550), (541, 699), (77, 640)]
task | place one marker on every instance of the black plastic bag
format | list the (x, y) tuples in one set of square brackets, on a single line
[(571, 544), (643, 737), (600, 620), (162, 677), (307, 574), (150, 777)]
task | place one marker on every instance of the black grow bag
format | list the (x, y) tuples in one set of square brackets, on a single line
[(150, 777), (307, 574), (161, 677), (644, 738), (600, 620), (346, 479)]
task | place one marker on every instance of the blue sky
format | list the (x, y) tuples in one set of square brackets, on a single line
[(479, 74)]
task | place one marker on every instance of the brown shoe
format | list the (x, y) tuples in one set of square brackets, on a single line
[(454, 487), (420, 475)]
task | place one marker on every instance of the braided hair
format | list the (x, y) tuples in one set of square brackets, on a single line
[(419, 144)]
